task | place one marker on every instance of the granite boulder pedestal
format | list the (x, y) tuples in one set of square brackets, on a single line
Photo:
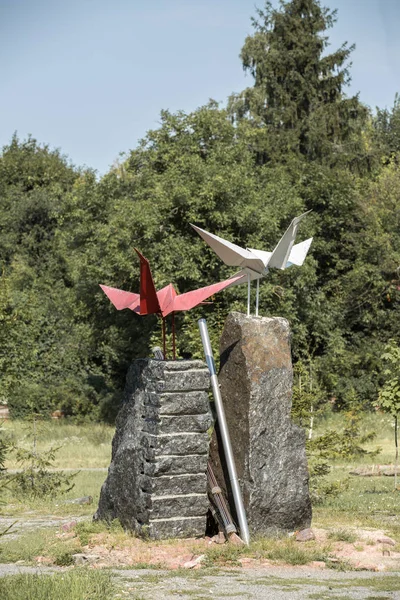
[(256, 385)]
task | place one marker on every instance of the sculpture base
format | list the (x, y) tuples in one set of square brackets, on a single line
[(156, 483)]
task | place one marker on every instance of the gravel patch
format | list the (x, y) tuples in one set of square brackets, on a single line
[(255, 584)]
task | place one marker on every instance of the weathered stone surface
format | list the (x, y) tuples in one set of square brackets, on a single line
[(177, 424), (171, 403), (386, 540), (305, 535), (176, 444), (256, 383), (176, 465), (193, 379), (156, 483), (174, 484), (190, 505), (176, 527)]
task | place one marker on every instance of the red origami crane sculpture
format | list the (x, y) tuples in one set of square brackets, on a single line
[(164, 302)]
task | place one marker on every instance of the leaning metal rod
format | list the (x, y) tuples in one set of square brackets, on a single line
[(173, 337), (237, 496), (219, 500), (248, 294), (163, 339), (257, 296)]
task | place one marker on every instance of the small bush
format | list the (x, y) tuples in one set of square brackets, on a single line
[(4, 480), (342, 535), (290, 552), (62, 556), (226, 555), (37, 479), (85, 529), (43, 542)]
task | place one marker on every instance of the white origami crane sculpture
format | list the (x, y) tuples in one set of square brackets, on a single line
[(256, 263)]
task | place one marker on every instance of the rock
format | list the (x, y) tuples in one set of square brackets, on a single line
[(234, 539), (318, 564), (219, 538), (269, 450), (83, 500), (85, 559), (305, 535), (69, 526), (386, 540), (156, 484), (191, 564)]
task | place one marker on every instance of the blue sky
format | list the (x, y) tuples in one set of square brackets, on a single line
[(91, 76)]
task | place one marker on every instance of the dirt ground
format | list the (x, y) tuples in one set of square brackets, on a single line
[(370, 549), (367, 553)]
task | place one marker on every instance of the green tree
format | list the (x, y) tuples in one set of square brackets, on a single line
[(387, 126), (297, 103)]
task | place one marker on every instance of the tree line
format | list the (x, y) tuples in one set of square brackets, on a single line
[(291, 142)]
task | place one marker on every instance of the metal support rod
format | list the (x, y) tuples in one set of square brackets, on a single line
[(257, 296), (163, 339), (248, 294), (237, 496), (173, 337), (218, 498)]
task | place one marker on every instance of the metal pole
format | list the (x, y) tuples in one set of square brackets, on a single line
[(237, 496), (163, 339), (257, 296), (248, 294), (173, 337)]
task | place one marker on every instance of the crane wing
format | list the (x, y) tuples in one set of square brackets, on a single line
[(121, 299), (280, 255), (262, 255), (165, 296), (231, 254), (191, 299), (298, 253)]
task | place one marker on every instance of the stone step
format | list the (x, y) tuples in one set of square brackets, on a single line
[(176, 424), (176, 444), (183, 403), (176, 381), (176, 465), (174, 484), (187, 505), (177, 527)]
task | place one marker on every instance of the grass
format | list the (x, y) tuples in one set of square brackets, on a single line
[(43, 542), (73, 585), (87, 483), (81, 446), (342, 535), (380, 423), (284, 550), (46, 542), (366, 503)]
